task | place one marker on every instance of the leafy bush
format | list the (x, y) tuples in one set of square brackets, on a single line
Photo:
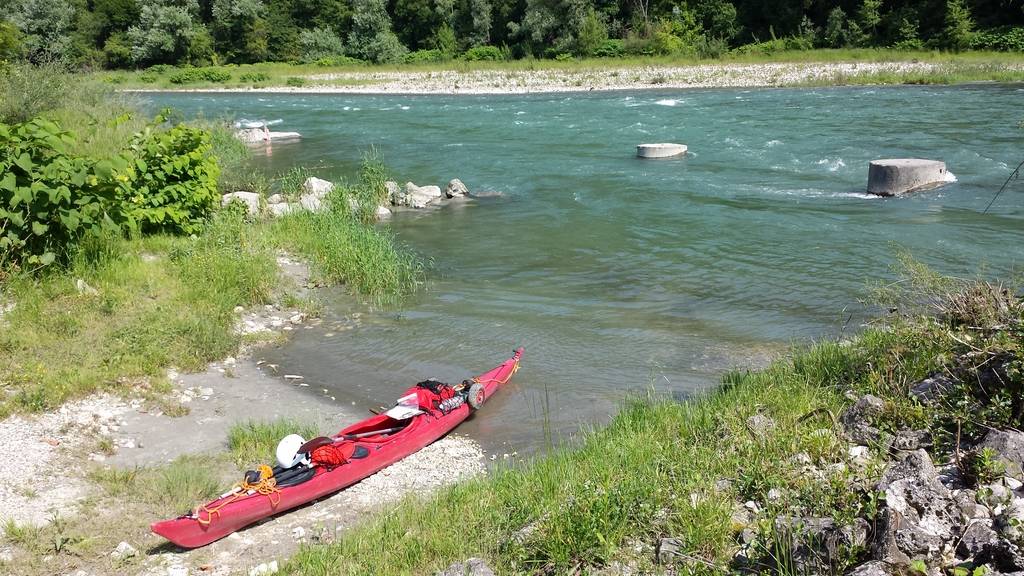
[(175, 187), (339, 61), (49, 199), (424, 56), (160, 69), (1005, 39), (775, 46), (295, 81), (148, 77), (254, 77), (612, 48), (194, 75), (320, 43), (483, 53)]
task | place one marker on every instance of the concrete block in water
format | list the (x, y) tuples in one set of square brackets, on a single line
[(663, 150), (897, 176)]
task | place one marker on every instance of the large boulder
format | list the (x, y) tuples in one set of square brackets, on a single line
[(421, 196), (897, 176), (250, 200), (1009, 446), (920, 514), (455, 188), (932, 388), (382, 213)]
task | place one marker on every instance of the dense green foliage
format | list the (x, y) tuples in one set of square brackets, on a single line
[(51, 199), (140, 33)]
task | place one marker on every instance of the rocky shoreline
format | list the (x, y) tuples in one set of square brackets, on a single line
[(527, 81)]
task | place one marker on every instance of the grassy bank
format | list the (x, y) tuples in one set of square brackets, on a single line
[(108, 308), (952, 68), (683, 469)]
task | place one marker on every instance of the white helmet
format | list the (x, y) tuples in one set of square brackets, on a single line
[(288, 454)]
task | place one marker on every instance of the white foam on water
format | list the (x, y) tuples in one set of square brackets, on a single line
[(833, 165), (950, 177), (667, 102), (405, 107), (861, 195), (733, 142), (347, 108), (520, 113), (773, 143)]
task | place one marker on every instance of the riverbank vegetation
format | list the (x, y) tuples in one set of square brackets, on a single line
[(775, 471), (146, 33), (116, 258)]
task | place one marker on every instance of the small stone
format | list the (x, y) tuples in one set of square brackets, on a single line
[(1009, 446), (774, 494), (297, 318), (667, 550), (275, 199), (177, 570), (230, 361), (382, 212), (859, 455), (298, 532), (84, 288), (123, 550), (760, 425), (283, 209), (239, 309), (1012, 483), (6, 556)]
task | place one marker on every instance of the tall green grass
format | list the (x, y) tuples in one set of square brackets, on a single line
[(253, 442), (341, 242), (103, 120), (126, 309)]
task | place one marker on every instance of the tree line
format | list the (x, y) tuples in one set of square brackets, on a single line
[(142, 33)]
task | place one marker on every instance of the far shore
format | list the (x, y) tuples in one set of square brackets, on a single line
[(587, 79)]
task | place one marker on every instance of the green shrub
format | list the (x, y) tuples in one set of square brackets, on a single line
[(175, 187), (483, 53), (50, 200), (424, 56), (775, 46), (254, 77), (1005, 39), (339, 61), (612, 48), (160, 69), (148, 77), (295, 81), (194, 75), (564, 57)]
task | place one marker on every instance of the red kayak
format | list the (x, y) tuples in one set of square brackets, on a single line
[(334, 463)]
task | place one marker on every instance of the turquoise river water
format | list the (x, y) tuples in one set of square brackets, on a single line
[(618, 274)]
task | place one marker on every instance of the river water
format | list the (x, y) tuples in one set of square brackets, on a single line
[(620, 275)]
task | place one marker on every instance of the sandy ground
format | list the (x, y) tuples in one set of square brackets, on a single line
[(587, 79), (54, 451)]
